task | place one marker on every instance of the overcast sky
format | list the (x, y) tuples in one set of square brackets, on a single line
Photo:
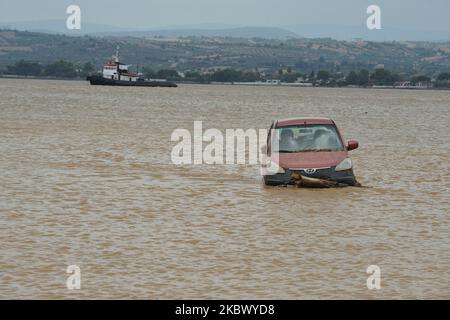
[(408, 14)]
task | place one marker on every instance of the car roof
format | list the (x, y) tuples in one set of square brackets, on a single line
[(299, 121)]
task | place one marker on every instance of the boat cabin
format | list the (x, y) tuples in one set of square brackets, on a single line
[(116, 70)]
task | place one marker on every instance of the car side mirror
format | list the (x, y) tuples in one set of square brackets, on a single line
[(352, 145), (264, 149)]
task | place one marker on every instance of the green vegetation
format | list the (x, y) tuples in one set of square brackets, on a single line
[(196, 77), (420, 79), (322, 62), (444, 77), (323, 75), (213, 53), (61, 69), (88, 68), (168, 74), (362, 78), (232, 75), (443, 80), (384, 77), (25, 68), (352, 78), (58, 69)]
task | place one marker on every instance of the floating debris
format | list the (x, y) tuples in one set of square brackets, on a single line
[(307, 182)]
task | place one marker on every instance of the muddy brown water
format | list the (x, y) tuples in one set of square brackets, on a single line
[(86, 180)]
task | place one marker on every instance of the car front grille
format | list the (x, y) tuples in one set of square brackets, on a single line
[(322, 173)]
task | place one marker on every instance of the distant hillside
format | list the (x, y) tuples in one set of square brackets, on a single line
[(356, 32), (240, 32), (338, 32), (59, 26), (200, 53)]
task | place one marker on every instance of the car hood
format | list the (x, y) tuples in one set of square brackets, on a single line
[(314, 160)]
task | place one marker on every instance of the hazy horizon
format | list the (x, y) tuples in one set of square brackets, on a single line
[(404, 14), (401, 20)]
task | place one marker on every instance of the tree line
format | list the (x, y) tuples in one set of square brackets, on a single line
[(58, 69), (362, 78)]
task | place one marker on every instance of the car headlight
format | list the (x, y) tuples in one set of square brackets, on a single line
[(346, 164), (271, 168)]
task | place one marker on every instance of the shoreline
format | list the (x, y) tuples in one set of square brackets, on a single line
[(242, 84)]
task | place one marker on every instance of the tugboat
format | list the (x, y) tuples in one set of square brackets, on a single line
[(116, 73)]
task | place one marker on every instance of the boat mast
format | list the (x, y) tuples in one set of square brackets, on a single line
[(117, 54), (117, 62)]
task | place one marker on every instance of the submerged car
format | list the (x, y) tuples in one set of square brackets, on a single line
[(310, 147)]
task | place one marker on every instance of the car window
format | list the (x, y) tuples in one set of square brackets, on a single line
[(308, 138)]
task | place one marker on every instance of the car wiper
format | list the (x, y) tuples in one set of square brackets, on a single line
[(287, 151), (306, 150), (294, 151)]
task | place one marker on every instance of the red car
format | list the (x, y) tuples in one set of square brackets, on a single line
[(312, 147)]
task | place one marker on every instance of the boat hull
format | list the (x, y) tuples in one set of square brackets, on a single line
[(101, 81)]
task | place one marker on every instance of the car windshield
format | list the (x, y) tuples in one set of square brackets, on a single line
[(308, 138)]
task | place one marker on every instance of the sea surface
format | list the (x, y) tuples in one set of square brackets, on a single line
[(86, 179)]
